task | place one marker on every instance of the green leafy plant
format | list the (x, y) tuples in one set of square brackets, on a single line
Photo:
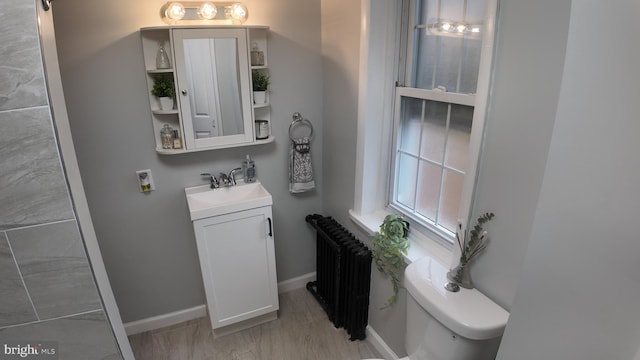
[(260, 80), (477, 239), (390, 244), (163, 86)]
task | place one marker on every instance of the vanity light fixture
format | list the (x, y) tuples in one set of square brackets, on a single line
[(238, 12), (174, 11), (203, 12), (207, 11), (440, 27)]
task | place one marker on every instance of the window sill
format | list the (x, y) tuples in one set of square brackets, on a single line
[(420, 244)]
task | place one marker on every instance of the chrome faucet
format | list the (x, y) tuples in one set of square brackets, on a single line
[(232, 175), (223, 180), (214, 182)]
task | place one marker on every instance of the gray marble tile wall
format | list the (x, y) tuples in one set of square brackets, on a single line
[(33, 189), (79, 337), (47, 290), (54, 269), (15, 305), (21, 76)]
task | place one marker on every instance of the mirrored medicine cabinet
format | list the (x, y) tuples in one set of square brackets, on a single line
[(210, 70)]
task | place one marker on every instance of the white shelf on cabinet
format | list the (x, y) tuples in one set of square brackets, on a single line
[(159, 71), (162, 151), (165, 112), (170, 151), (267, 140)]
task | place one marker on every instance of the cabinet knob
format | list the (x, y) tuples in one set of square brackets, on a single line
[(184, 92)]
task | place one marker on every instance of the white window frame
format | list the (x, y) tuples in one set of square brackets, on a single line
[(429, 95), (378, 71)]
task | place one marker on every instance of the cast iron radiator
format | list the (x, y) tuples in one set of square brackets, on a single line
[(343, 273)]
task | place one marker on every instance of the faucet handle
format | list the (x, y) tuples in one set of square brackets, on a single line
[(214, 181), (232, 175)]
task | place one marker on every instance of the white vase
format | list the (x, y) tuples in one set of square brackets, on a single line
[(259, 97), (166, 103)]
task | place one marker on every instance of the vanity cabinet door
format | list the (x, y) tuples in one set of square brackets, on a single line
[(238, 265)]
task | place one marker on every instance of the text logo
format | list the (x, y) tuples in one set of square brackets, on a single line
[(29, 350)]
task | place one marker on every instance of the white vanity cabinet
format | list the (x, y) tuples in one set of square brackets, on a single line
[(211, 72), (237, 257)]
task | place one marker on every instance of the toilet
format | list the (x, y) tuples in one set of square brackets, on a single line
[(444, 325)]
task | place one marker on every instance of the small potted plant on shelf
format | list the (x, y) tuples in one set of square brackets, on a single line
[(260, 83), (165, 91), (390, 244)]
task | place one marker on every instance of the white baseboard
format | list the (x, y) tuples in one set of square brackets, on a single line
[(296, 283), (160, 321), (176, 317), (385, 351)]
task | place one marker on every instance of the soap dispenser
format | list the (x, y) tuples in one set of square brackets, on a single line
[(249, 170)]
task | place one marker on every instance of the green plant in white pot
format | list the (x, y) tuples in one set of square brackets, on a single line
[(390, 244), (260, 82), (164, 89)]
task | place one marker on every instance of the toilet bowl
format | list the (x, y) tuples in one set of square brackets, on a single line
[(444, 325)]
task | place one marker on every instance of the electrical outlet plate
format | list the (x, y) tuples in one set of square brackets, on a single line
[(145, 180)]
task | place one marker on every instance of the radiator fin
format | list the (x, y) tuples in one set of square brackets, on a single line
[(343, 274)]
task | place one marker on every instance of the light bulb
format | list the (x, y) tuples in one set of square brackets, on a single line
[(475, 29), (207, 11), (461, 28), (175, 11), (445, 26), (238, 12)]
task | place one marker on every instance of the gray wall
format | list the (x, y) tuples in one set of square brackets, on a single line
[(526, 82), (341, 52), (340, 55), (47, 292), (147, 240), (578, 295)]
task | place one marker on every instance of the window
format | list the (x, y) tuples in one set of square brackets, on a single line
[(434, 157), (452, 115)]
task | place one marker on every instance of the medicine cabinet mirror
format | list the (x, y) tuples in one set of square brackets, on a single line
[(213, 86)]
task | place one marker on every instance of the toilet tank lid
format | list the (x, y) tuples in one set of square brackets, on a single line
[(468, 313)]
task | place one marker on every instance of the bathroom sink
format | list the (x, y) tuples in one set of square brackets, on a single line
[(205, 202)]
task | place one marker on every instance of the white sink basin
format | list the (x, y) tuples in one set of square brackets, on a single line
[(205, 202)]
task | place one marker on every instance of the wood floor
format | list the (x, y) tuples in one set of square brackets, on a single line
[(302, 331)]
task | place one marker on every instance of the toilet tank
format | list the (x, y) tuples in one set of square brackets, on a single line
[(443, 325)]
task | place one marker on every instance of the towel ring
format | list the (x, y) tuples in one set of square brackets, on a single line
[(299, 120)]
